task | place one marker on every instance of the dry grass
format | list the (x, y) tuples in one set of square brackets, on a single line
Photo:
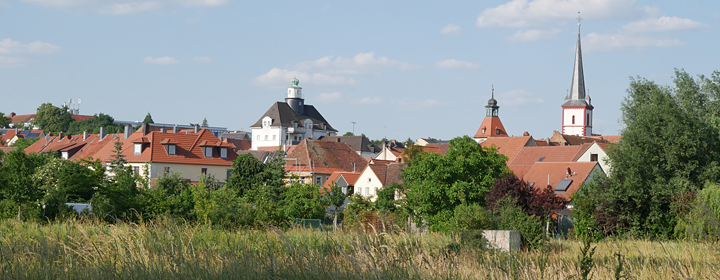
[(167, 250)]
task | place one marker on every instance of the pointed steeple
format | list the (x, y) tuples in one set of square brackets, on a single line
[(577, 95)]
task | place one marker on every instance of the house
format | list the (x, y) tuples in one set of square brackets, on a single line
[(392, 152), (377, 176), (361, 144), (27, 119), (594, 152), (565, 177), (509, 146), (427, 141), (240, 135), (491, 125), (288, 123), (12, 135), (346, 180), (314, 161)]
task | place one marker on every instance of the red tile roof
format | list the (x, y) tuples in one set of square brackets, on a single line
[(543, 172), (388, 173), (316, 154), (509, 146), (529, 155), (240, 145), (28, 117), (491, 125), (349, 177)]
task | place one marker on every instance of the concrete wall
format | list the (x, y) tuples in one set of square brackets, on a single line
[(503, 240)]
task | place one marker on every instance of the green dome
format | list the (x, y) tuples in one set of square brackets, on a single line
[(294, 82)]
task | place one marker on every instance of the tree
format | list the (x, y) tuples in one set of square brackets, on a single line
[(16, 174), (23, 143), (204, 123), (247, 172), (52, 119), (117, 160), (436, 184), (336, 197), (64, 181), (670, 145), (93, 125), (148, 118), (409, 142), (541, 202), (304, 201), (348, 134), (4, 121)]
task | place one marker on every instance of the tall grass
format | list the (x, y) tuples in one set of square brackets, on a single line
[(173, 250)]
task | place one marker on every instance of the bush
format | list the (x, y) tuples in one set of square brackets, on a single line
[(473, 217), (510, 216)]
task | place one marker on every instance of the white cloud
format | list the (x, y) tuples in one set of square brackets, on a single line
[(450, 29), (123, 7), (662, 24), (368, 101), (165, 60), (456, 64), (277, 76), (329, 97), (331, 71), (362, 63), (524, 13), (202, 59), (620, 42), (518, 97), (14, 53), (533, 35)]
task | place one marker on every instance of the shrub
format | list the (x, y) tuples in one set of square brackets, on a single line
[(510, 216)]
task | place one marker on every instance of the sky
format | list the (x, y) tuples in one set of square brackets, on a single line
[(398, 69)]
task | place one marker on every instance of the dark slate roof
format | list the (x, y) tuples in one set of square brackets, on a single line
[(576, 102), (262, 156), (357, 143), (283, 115)]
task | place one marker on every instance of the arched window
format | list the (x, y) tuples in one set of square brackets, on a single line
[(573, 120)]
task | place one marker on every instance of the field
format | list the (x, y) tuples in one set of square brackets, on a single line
[(171, 250)]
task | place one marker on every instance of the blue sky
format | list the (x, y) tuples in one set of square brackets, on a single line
[(398, 69)]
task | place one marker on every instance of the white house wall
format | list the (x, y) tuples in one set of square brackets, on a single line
[(368, 184), (602, 157), (190, 172), (259, 134)]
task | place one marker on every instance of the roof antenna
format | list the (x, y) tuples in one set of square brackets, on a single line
[(493, 91)]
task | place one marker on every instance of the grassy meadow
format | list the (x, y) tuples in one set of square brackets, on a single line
[(172, 250)]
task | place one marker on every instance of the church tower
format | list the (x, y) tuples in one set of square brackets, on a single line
[(491, 126), (577, 109)]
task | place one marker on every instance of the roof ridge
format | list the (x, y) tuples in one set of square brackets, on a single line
[(198, 136)]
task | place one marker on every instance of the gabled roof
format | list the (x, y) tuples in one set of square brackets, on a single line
[(349, 177), (490, 127), (283, 115), (553, 172), (442, 147), (357, 143), (529, 155), (58, 143), (387, 173), (311, 154), (240, 145), (509, 146), (242, 135)]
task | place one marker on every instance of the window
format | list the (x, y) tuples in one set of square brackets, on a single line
[(65, 155), (203, 171), (166, 169), (266, 137), (573, 119), (223, 152), (483, 130), (369, 180), (302, 179), (171, 150), (588, 119), (375, 191), (208, 152), (258, 138), (367, 191), (318, 180), (138, 149), (593, 157), (274, 137), (498, 131), (136, 170)]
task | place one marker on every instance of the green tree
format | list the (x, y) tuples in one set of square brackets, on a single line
[(247, 172), (348, 134), (304, 201), (119, 194), (93, 125), (336, 197), (65, 181), (117, 159), (23, 143), (436, 184), (670, 145), (170, 195), (4, 120), (204, 123), (16, 176), (52, 119), (148, 118)]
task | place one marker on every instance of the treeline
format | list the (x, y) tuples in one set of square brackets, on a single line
[(666, 168)]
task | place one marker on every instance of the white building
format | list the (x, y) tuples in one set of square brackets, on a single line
[(577, 109), (289, 122)]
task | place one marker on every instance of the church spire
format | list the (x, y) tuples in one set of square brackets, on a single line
[(577, 95)]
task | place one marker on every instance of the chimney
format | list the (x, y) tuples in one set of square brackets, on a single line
[(146, 128), (526, 133), (12, 114), (175, 129), (60, 136), (102, 133), (128, 131), (85, 135), (197, 128)]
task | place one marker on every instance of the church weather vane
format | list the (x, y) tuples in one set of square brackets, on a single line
[(579, 19)]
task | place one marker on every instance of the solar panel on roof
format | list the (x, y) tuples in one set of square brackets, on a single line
[(563, 185)]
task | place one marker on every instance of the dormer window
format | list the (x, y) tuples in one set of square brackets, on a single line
[(138, 149), (498, 131), (170, 148), (223, 153), (483, 130), (208, 151)]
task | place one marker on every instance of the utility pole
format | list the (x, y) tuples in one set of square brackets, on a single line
[(353, 127)]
